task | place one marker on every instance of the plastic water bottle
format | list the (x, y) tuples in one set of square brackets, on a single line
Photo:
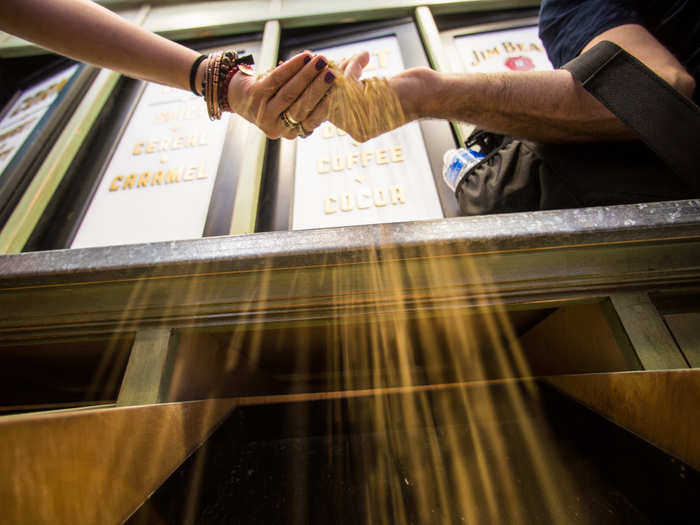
[(456, 163)]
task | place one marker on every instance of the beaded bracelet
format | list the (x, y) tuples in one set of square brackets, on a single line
[(224, 90), (220, 69)]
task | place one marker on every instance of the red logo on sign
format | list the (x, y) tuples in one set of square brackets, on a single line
[(520, 64)]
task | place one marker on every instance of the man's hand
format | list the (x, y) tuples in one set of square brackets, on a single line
[(295, 87)]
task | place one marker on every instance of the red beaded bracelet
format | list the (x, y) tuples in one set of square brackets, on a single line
[(224, 89)]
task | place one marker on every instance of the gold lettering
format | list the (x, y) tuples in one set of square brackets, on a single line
[(173, 175), (397, 194), (360, 204), (38, 97), (535, 47), (164, 144), (381, 156), (138, 148), (323, 166), (151, 147), (190, 141), (328, 131), (178, 142), (366, 156), (190, 173), (346, 202), (190, 112), (512, 47), (397, 154), (157, 177), (203, 140), (202, 173), (477, 58), (129, 182), (340, 132), (379, 197), (338, 163), (143, 179), (381, 56), (481, 56), (353, 159), (328, 207), (116, 181)]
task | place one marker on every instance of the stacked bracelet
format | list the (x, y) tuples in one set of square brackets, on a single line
[(220, 69)]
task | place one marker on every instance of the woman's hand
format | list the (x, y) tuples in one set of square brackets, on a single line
[(295, 87)]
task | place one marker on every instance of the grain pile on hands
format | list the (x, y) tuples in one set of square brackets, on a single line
[(364, 108)]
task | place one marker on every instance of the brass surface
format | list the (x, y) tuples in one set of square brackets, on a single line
[(576, 339), (659, 406), (96, 466)]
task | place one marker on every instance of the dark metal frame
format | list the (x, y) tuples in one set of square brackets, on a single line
[(539, 259), (449, 21), (278, 180)]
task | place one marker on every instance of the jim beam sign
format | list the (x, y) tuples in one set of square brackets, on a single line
[(500, 51), (159, 182), (339, 182), (26, 113)]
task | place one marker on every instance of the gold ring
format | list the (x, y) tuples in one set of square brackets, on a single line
[(291, 119), (288, 122)]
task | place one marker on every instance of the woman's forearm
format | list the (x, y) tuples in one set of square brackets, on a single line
[(88, 32)]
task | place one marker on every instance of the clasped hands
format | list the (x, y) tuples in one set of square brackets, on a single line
[(293, 99)]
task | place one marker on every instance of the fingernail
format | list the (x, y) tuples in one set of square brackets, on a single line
[(330, 77), (280, 62), (307, 59), (320, 64)]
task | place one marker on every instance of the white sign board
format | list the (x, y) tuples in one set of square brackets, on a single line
[(27, 111), (339, 182), (159, 182), (498, 51)]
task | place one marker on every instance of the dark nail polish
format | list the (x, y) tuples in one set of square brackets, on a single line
[(330, 77), (307, 59), (321, 64)]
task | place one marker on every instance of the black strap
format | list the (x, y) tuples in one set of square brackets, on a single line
[(193, 74), (667, 122)]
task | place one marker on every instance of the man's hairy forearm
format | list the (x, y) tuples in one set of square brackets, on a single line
[(545, 106), (88, 32)]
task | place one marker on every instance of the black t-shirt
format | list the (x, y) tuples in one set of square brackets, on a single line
[(566, 26)]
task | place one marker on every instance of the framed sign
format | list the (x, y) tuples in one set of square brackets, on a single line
[(340, 182), (158, 183), (329, 180), (516, 49), (497, 47), (155, 168), (29, 123)]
